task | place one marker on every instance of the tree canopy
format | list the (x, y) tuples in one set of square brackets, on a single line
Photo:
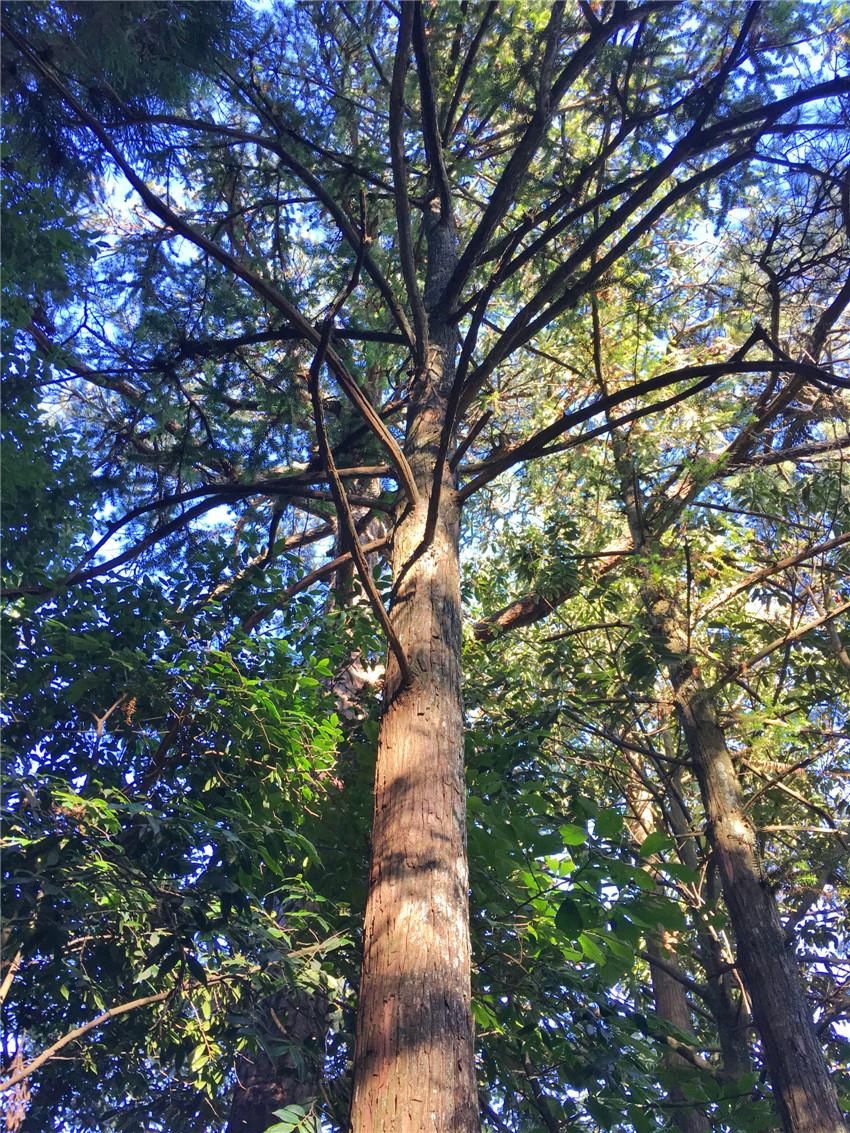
[(425, 575)]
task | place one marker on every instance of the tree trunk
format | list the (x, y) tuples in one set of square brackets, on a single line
[(802, 1087), (799, 1074), (668, 993), (264, 1084), (414, 1065), (671, 1004), (724, 1001), (728, 1012)]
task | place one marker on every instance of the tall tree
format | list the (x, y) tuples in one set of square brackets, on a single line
[(798, 1070), (274, 267)]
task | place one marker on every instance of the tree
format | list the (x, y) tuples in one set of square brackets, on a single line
[(290, 316), (670, 627)]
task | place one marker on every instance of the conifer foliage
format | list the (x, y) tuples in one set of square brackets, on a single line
[(425, 575)]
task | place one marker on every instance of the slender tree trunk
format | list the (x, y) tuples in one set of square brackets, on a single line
[(727, 1006), (671, 1004), (728, 1012), (668, 993), (414, 1063), (799, 1074), (802, 1087)]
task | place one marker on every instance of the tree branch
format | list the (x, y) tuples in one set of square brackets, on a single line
[(310, 181), (400, 194), (465, 70), (709, 372), (523, 154), (676, 973), (430, 117), (261, 286), (792, 635), (766, 572), (78, 1032), (253, 620)]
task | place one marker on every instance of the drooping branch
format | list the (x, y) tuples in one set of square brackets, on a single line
[(292, 488), (80, 576), (309, 179), (347, 524)]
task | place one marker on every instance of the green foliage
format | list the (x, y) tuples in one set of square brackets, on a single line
[(190, 736)]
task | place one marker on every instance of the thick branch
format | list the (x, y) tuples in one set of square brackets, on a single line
[(465, 71)]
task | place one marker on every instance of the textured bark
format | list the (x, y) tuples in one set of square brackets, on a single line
[(414, 1062), (671, 1004), (264, 1084), (802, 1087), (721, 996)]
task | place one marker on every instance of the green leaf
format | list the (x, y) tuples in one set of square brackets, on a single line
[(569, 918), (591, 950), (655, 842), (573, 835), (608, 823)]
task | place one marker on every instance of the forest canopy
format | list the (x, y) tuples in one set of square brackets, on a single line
[(426, 566)]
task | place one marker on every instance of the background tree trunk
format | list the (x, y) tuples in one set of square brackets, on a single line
[(264, 1084), (802, 1087), (671, 1004), (722, 997), (668, 993), (803, 1091)]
